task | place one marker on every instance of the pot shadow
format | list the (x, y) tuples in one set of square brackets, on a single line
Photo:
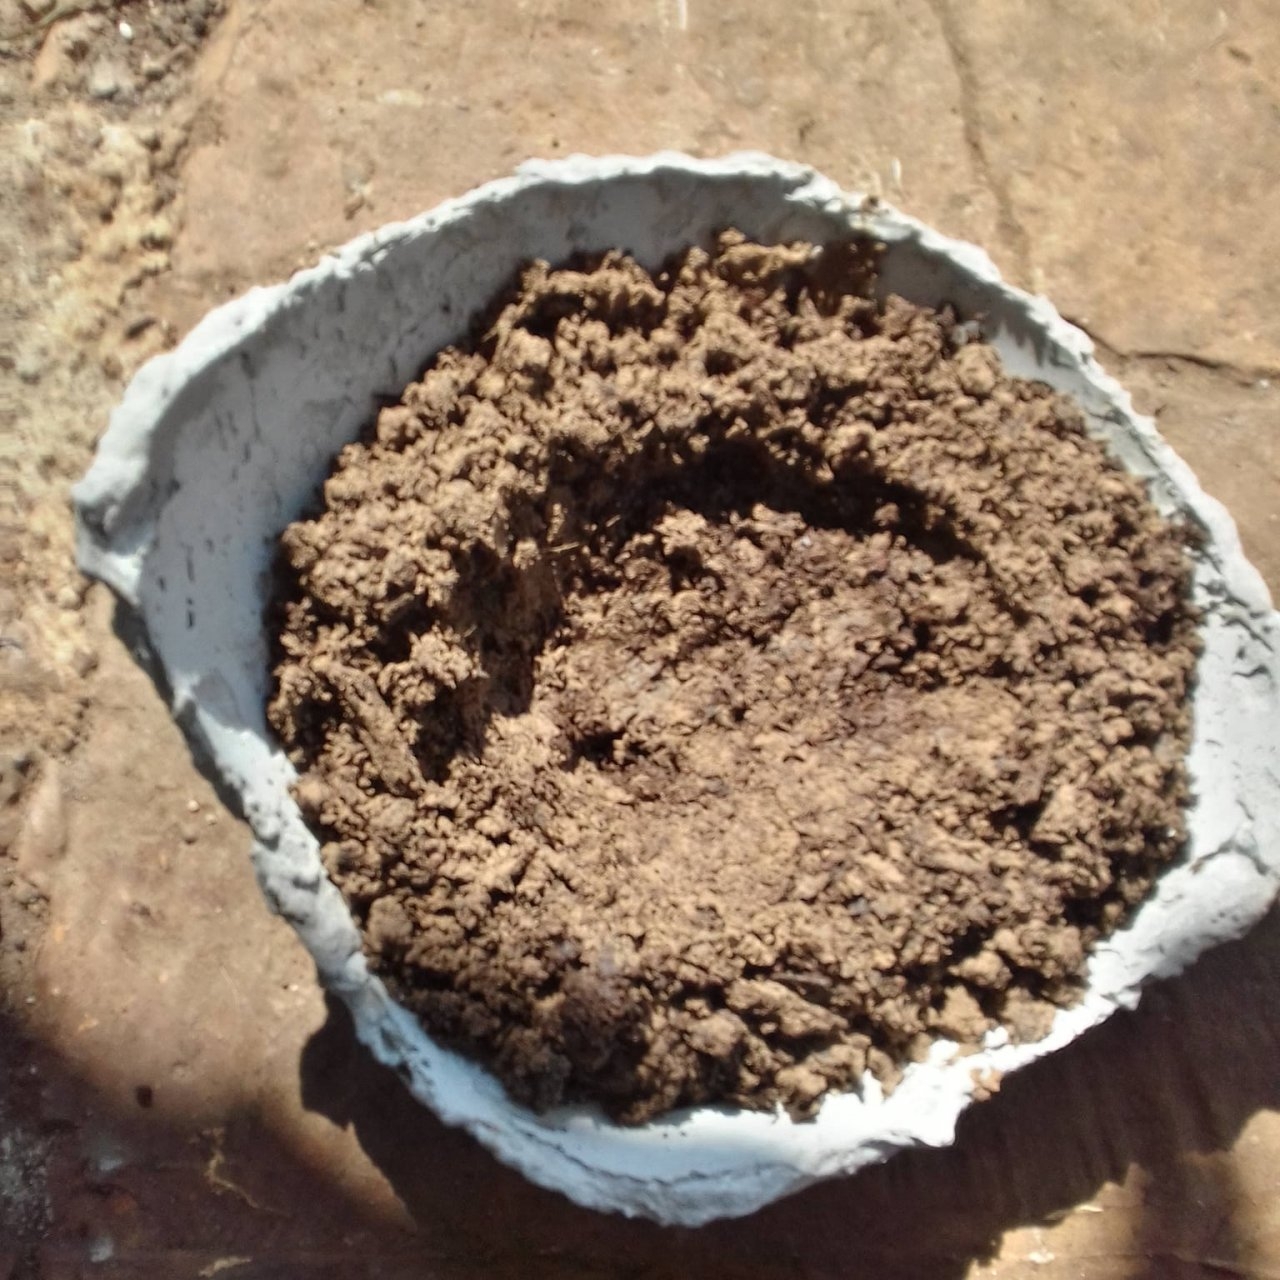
[(1178, 1078)]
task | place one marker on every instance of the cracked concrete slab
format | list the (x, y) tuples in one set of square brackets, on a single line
[(1137, 147), (416, 107)]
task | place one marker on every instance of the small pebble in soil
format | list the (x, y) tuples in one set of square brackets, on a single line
[(106, 79), (84, 662), (101, 1249)]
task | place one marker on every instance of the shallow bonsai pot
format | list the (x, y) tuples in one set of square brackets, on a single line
[(219, 444)]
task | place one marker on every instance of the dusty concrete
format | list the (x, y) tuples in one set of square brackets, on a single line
[(1117, 158)]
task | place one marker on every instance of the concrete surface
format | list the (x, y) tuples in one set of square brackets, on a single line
[(175, 1097)]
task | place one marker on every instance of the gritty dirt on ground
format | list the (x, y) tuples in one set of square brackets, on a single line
[(715, 683), (25, 1209), (95, 118), (88, 210)]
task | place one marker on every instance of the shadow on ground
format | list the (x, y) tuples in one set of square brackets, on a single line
[(130, 1189), (1152, 1089)]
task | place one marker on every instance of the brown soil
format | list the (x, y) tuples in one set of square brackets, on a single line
[(712, 684)]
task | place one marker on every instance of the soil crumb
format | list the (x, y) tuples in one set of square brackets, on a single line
[(712, 684)]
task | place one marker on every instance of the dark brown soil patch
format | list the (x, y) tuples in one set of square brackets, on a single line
[(711, 684)]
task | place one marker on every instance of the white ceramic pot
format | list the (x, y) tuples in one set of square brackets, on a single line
[(221, 443)]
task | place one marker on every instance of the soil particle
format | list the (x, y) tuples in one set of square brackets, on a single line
[(713, 684)]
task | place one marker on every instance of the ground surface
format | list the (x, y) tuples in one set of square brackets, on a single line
[(175, 1097)]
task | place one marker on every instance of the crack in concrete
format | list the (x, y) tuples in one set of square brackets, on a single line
[(1246, 375), (1008, 223)]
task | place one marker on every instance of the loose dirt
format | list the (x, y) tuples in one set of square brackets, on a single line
[(712, 684)]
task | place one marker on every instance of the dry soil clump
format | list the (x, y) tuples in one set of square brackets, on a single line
[(712, 683)]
